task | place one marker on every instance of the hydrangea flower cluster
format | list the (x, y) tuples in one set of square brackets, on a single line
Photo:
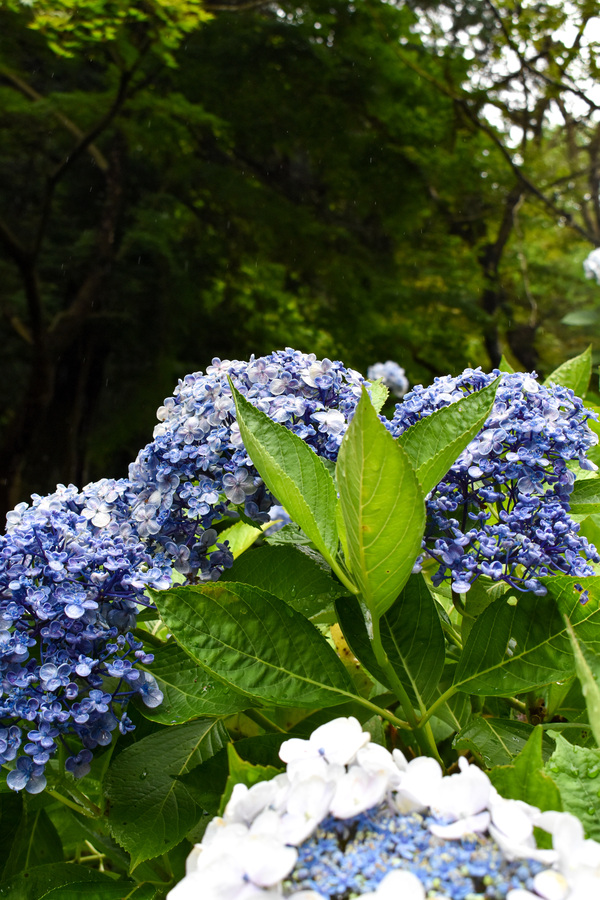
[(392, 376), (350, 819), (73, 571), (196, 469), (503, 508)]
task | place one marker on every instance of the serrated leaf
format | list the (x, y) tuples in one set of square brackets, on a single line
[(188, 693), (241, 536), (84, 890), (39, 882), (575, 770), (585, 499), (497, 742), (289, 574), (587, 666), (150, 809), (378, 393), (574, 374), (382, 506), (411, 635), (256, 643), (539, 651), (525, 780), (293, 473), (435, 442)]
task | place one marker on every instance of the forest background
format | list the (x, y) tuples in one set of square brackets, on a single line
[(365, 180)]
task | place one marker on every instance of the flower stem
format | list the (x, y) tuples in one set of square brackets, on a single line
[(261, 720), (423, 736), (82, 810)]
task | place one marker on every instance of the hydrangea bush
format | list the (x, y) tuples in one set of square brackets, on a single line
[(282, 554), (502, 510)]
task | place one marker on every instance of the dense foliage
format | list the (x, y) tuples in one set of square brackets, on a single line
[(162, 636), (177, 182)]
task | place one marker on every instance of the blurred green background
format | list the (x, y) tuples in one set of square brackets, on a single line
[(366, 181)]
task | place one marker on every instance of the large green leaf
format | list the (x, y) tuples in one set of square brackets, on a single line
[(293, 473), (188, 693), (525, 779), (289, 574), (497, 742), (35, 839), (256, 643), (576, 771), (382, 506), (41, 882), (435, 442), (587, 666), (574, 374), (538, 653), (150, 809), (585, 499), (85, 890), (411, 635)]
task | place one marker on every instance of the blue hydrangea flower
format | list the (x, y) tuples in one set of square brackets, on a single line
[(392, 376), (346, 857), (503, 508), (196, 469), (73, 572)]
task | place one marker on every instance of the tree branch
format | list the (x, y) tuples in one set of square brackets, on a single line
[(28, 91)]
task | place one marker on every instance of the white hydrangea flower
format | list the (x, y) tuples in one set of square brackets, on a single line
[(338, 742), (398, 886)]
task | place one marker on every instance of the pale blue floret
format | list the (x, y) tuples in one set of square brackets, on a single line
[(349, 857)]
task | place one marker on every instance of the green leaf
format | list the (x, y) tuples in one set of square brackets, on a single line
[(289, 574), (120, 890), (435, 442), (188, 693), (150, 809), (36, 840), (497, 742), (256, 643), (587, 666), (518, 643), (574, 374), (293, 473), (378, 393), (539, 651), (525, 779), (585, 499), (40, 882), (243, 772), (575, 770), (581, 317), (241, 536), (505, 366), (411, 635), (383, 508)]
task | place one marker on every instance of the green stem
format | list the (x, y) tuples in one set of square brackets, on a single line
[(261, 720), (423, 736), (439, 702), (341, 574), (516, 704), (82, 810)]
